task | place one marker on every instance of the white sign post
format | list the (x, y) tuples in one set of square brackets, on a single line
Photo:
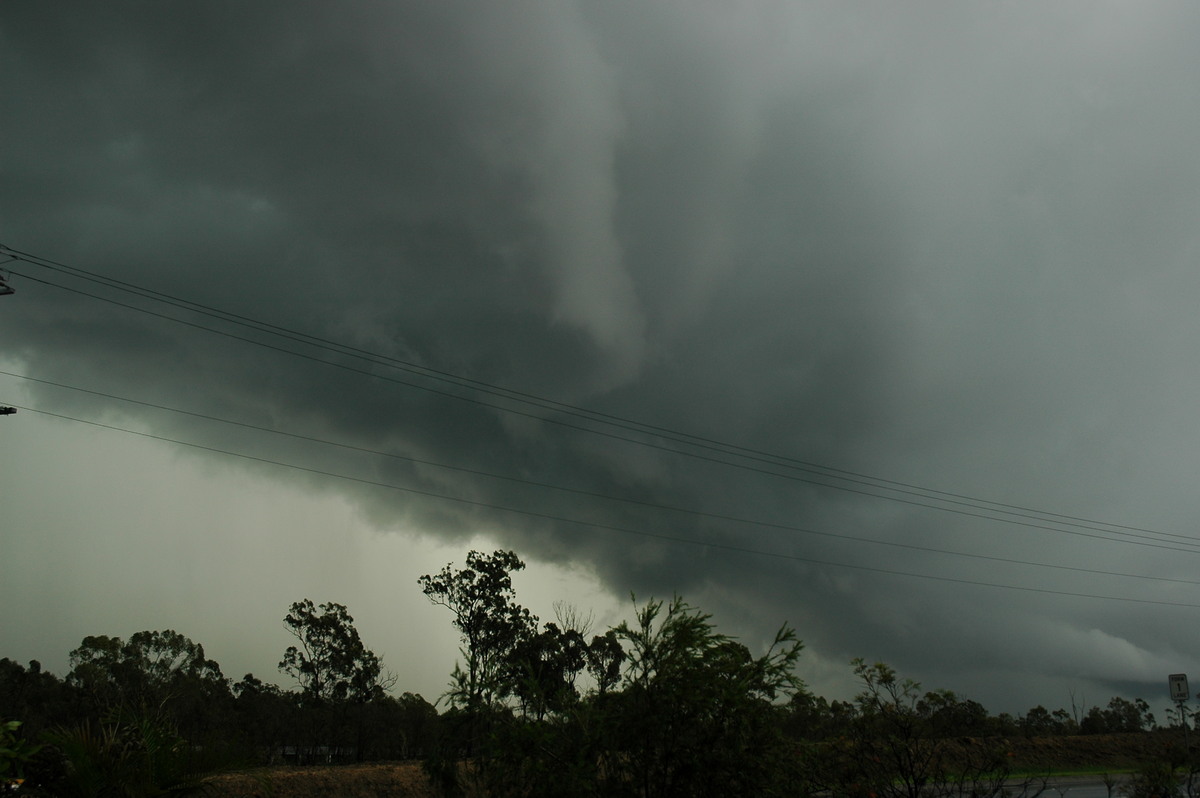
[(1179, 694)]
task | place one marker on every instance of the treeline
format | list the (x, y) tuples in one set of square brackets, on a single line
[(664, 705)]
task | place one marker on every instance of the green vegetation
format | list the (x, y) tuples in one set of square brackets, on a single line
[(661, 705), (15, 753), (129, 754)]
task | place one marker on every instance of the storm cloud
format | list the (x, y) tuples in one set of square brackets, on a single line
[(859, 316)]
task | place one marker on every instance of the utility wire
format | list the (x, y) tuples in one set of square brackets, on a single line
[(609, 497), (538, 401), (950, 502), (547, 403), (1098, 533), (611, 527)]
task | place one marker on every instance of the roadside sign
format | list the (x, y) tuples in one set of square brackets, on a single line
[(1179, 686)]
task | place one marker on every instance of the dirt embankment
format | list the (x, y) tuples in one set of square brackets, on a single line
[(1116, 752), (1090, 752), (385, 779)]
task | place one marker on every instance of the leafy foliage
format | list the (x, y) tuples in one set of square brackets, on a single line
[(1119, 717), (1158, 779), (543, 667), (127, 754), (340, 678), (676, 708), (491, 623), (15, 751), (900, 743), (696, 715), (162, 669), (331, 663), (662, 705), (39, 698)]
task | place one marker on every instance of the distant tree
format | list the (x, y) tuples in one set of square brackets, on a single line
[(1095, 722), (1121, 716), (192, 686), (161, 669), (543, 668), (38, 698), (813, 718), (266, 717), (603, 659), (149, 667), (167, 657), (416, 722), (399, 727), (1038, 722), (948, 715), (1067, 724), (99, 670), (896, 746), (331, 663), (338, 675), (492, 624), (1004, 725), (251, 686), (1148, 721), (696, 715)]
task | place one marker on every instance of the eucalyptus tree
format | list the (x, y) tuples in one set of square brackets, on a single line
[(491, 622), (151, 667), (338, 675), (152, 671), (697, 712), (331, 663), (897, 746)]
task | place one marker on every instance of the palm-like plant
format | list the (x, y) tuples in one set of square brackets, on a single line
[(128, 754)]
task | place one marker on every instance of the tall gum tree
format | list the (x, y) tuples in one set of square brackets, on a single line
[(491, 622)]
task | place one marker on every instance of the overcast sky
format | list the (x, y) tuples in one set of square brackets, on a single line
[(878, 319)]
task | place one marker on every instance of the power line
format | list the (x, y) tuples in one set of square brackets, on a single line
[(548, 403), (608, 497), (621, 529), (920, 496)]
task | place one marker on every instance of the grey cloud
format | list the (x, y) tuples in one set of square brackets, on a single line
[(950, 246)]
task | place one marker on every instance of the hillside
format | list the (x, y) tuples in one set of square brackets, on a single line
[(1090, 752)]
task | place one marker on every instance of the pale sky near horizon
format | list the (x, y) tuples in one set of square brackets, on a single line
[(875, 319)]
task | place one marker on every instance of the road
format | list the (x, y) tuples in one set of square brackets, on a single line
[(1090, 787)]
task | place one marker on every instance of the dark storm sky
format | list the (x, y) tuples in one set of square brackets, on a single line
[(948, 245)]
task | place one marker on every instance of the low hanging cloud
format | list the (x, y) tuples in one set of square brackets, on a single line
[(952, 248)]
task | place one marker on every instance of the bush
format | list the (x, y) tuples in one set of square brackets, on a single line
[(127, 754), (15, 753), (1155, 780)]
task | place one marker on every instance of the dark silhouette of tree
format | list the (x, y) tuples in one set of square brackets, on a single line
[(901, 743), (543, 669), (265, 717), (604, 657), (38, 698), (337, 674), (331, 663), (693, 714), (101, 673), (696, 715), (948, 715), (491, 623), (662, 706), (414, 725), (161, 669), (1121, 716)]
